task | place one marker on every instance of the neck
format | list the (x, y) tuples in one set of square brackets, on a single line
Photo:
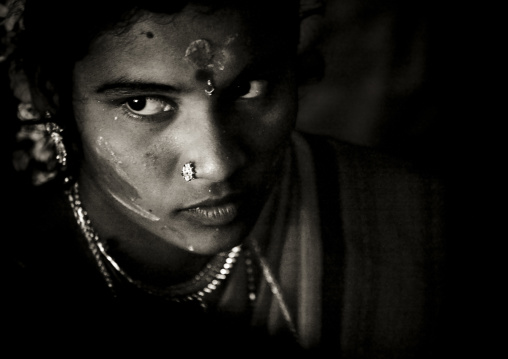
[(143, 255)]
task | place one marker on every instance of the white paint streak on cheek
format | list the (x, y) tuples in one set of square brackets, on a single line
[(104, 150), (136, 208)]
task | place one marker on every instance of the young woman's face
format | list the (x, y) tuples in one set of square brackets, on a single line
[(185, 88)]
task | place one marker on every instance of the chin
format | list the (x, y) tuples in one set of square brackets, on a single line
[(217, 239)]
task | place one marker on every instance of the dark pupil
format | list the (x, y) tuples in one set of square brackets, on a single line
[(243, 88), (137, 104)]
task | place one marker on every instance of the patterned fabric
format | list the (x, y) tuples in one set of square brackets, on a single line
[(291, 240)]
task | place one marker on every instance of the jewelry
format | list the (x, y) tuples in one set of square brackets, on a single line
[(274, 288), (205, 282), (55, 133), (27, 112), (188, 172), (211, 89)]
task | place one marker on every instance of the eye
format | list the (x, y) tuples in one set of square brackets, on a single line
[(251, 89), (147, 106)]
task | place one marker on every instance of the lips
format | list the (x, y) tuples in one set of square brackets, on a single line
[(215, 212)]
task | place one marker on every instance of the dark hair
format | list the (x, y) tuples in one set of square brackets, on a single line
[(58, 32)]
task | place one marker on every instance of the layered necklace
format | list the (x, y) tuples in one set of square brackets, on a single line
[(194, 290)]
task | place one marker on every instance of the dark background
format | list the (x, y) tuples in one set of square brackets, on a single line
[(406, 77), (388, 79), (399, 75)]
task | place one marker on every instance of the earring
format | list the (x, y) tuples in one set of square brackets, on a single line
[(188, 172), (211, 89), (55, 133)]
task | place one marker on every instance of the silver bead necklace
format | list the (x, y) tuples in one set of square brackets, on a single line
[(196, 289)]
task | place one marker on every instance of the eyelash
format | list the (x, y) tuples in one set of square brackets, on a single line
[(261, 87), (129, 112)]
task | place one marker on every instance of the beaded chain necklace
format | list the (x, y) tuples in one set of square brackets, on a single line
[(196, 289)]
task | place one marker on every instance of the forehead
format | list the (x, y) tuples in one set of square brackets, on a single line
[(158, 46), (174, 32)]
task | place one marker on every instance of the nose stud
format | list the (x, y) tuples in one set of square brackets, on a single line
[(188, 172)]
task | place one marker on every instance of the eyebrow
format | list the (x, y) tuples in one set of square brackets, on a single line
[(124, 86)]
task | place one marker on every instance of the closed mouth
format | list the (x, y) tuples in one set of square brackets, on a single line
[(215, 211), (217, 214)]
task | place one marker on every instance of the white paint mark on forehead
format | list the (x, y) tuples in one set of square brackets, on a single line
[(199, 54), (202, 56)]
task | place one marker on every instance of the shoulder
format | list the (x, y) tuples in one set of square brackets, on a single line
[(356, 155), (40, 208), (361, 167), (383, 207), (383, 223), (44, 226)]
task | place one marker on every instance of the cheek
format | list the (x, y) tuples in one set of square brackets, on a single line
[(151, 159), (105, 158), (282, 116), (107, 168), (131, 152), (275, 124), (160, 158)]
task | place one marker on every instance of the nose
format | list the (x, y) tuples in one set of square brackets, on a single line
[(214, 145)]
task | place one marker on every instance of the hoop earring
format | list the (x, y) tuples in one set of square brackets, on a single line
[(54, 132)]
